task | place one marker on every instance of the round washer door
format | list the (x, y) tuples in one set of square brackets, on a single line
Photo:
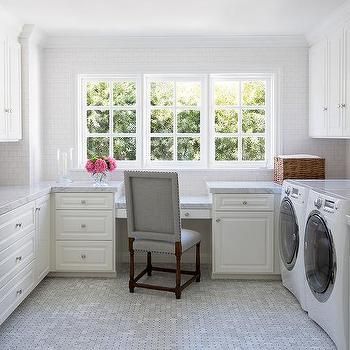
[(319, 257), (289, 234)]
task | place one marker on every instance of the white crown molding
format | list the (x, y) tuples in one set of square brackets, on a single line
[(243, 41), (32, 34), (335, 20)]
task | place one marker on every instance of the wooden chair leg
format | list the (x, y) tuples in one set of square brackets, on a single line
[(132, 266), (178, 270), (198, 261), (149, 264)]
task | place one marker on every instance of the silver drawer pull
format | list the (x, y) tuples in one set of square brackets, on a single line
[(218, 220), (83, 201), (37, 209), (83, 225), (18, 258), (19, 225), (187, 214), (83, 256), (244, 202), (19, 292)]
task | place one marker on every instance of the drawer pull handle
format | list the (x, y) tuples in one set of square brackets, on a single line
[(19, 292), (218, 220), (245, 202), (19, 225), (83, 225), (83, 201), (187, 214), (83, 256), (37, 209), (18, 258)]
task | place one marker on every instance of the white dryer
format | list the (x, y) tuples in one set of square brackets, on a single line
[(326, 259), (291, 238)]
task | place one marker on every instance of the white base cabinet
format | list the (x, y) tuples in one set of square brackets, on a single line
[(243, 234)]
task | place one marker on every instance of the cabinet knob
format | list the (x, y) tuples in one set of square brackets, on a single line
[(19, 292), (37, 209), (83, 225), (6, 110), (18, 258), (83, 256), (187, 214), (19, 225), (325, 109), (343, 105), (244, 202), (83, 201), (218, 220)]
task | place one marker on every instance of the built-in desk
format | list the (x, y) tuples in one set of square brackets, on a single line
[(191, 207)]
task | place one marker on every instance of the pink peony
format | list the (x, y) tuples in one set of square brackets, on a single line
[(90, 166), (100, 166), (112, 164)]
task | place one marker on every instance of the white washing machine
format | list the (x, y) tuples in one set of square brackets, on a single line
[(291, 238), (326, 259)]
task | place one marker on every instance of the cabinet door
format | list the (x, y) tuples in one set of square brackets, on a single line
[(346, 88), (335, 124), (14, 128), (318, 89), (42, 262), (243, 243), (3, 114)]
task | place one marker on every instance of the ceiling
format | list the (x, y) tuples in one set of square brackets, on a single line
[(176, 17)]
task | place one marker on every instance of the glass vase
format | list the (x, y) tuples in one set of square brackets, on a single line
[(100, 179)]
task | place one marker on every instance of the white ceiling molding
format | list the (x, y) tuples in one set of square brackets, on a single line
[(31, 33), (176, 41), (335, 20)]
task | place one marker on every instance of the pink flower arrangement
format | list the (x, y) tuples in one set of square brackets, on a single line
[(100, 165)]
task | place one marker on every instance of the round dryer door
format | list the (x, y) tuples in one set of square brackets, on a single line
[(319, 257), (289, 234)]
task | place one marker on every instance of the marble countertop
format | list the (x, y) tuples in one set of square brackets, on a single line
[(258, 187), (12, 197), (186, 202)]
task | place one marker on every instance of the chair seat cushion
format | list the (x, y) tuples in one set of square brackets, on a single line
[(189, 238)]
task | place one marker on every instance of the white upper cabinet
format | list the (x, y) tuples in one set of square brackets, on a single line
[(329, 86), (10, 90)]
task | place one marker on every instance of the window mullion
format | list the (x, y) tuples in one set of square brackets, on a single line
[(111, 116), (175, 124)]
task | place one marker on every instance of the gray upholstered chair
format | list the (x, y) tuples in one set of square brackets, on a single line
[(154, 226)]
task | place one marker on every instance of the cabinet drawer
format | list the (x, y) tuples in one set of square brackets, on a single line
[(84, 200), (15, 257), (245, 202), (195, 213), (14, 292), (84, 256), (84, 225), (16, 224)]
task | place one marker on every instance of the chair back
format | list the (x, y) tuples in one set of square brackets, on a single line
[(152, 201)]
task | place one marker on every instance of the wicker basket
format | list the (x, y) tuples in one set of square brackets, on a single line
[(298, 167)]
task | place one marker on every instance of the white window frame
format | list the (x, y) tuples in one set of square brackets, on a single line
[(203, 162), (82, 113), (270, 125)]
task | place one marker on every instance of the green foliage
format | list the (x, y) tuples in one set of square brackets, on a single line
[(98, 121), (226, 121), (124, 93), (226, 93), (162, 148), (188, 93), (253, 120), (188, 148), (124, 121), (188, 121), (162, 120), (253, 148), (97, 94), (253, 93), (162, 93), (226, 148), (97, 147), (124, 148)]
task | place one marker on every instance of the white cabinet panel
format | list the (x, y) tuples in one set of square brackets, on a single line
[(318, 62), (42, 261), (84, 225), (84, 200), (243, 243), (84, 256)]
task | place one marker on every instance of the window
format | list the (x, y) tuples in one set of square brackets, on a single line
[(110, 117), (174, 121), (186, 121), (240, 121)]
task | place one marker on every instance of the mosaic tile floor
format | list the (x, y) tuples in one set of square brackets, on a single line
[(72, 313)]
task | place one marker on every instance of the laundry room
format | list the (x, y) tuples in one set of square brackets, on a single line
[(174, 174)]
